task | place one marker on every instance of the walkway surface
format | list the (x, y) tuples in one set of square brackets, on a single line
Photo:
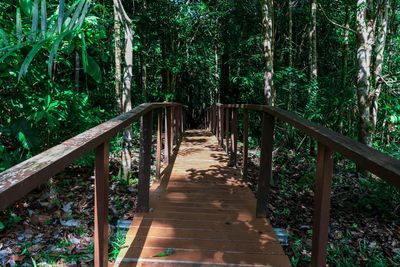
[(203, 213)]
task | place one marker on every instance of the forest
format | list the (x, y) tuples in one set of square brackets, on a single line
[(69, 65)]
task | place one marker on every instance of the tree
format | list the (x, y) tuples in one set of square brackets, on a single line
[(268, 44)]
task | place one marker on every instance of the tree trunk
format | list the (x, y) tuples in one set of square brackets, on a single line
[(117, 56), (267, 22), (364, 53), (77, 69), (143, 75), (379, 51), (225, 73), (290, 39), (126, 101), (313, 44)]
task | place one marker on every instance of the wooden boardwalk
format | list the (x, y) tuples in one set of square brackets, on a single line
[(204, 212)]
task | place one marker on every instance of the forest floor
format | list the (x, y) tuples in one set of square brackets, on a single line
[(54, 224), (364, 218)]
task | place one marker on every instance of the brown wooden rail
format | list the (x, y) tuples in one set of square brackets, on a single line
[(19, 180), (370, 159)]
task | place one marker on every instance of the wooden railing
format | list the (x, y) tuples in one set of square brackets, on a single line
[(18, 181), (222, 120)]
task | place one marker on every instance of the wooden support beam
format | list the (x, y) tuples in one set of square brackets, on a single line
[(265, 178), (159, 142), (227, 119), (222, 124), (217, 125), (145, 162), (322, 196), (173, 133), (245, 142), (167, 139), (234, 136), (101, 205)]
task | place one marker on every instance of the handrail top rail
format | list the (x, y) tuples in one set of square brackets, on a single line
[(20, 179), (378, 163)]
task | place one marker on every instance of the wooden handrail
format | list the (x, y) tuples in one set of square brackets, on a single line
[(19, 180), (372, 160)]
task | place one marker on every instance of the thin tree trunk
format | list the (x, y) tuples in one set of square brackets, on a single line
[(267, 21), (364, 53), (143, 62), (117, 56), (126, 101), (313, 44), (77, 69), (345, 61), (379, 51), (290, 39)]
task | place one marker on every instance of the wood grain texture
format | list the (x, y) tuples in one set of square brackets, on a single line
[(205, 212)]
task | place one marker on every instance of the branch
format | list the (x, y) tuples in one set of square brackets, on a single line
[(335, 23)]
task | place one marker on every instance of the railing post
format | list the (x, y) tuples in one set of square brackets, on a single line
[(172, 128), (322, 196), (234, 134), (264, 180), (145, 162), (159, 142), (213, 119), (227, 119), (221, 125), (101, 206), (182, 121), (217, 129), (167, 139), (245, 142)]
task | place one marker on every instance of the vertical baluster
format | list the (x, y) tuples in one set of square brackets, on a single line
[(145, 162), (182, 121), (322, 197), (101, 206), (245, 142), (217, 122), (265, 163), (213, 119), (227, 119), (172, 128), (234, 134), (167, 138), (221, 123), (159, 143)]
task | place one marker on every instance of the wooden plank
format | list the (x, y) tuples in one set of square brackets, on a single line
[(145, 162), (101, 206), (204, 258), (203, 215), (321, 205)]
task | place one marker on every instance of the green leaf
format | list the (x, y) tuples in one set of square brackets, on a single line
[(23, 140), (26, 6), (2, 226), (94, 70), (166, 252)]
